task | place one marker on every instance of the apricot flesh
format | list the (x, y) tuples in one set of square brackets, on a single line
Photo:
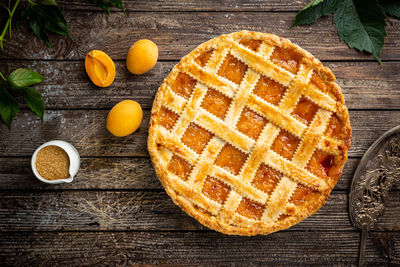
[(142, 56), (100, 68), (124, 118)]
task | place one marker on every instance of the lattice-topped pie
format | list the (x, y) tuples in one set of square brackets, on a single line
[(249, 133)]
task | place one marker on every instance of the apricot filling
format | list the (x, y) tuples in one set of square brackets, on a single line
[(167, 118), (269, 90), (216, 103), (251, 43), (180, 167), (250, 123), (232, 69), (266, 178), (231, 159), (285, 144), (183, 85), (334, 128), (203, 58), (287, 58), (303, 195), (196, 137), (215, 189), (305, 110), (250, 209), (321, 163)]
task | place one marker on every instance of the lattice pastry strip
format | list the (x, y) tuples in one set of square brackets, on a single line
[(276, 116), (172, 100), (265, 51), (257, 63), (298, 174), (311, 138), (237, 183), (206, 161), (320, 98), (281, 194), (224, 131), (297, 86), (273, 155), (243, 92)]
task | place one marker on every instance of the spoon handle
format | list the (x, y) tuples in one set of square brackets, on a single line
[(361, 256)]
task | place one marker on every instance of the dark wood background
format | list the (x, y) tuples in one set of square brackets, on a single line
[(115, 211)]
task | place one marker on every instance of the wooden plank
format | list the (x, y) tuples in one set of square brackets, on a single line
[(145, 211), (94, 173), (109, 173), (193, 248), (366, 85), (193, 5), (85, 129), (176, 34)]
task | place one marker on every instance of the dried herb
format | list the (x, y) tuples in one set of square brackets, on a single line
[(19, 82), (360, 23)]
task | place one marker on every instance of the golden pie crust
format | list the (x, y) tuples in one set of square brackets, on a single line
[(249, 133)]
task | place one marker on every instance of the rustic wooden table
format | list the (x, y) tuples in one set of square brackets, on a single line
[(115, 211)]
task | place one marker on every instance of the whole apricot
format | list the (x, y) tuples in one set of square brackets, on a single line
[(142, 56), (124, 118), (100, 68)]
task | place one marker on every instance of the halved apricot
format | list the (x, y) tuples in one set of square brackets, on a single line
[(100, 68)]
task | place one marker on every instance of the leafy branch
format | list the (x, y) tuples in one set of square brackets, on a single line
[(106, 4), (45, 17), (360, 23), (18, 83)]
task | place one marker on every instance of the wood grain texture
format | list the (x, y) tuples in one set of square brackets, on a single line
[(116, 212), (193, 5), (85, 129), (193, 248), (176, 34), (365, 85), (144, 211), (109, 173), (94, 173)]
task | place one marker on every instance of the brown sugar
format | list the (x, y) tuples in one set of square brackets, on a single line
[(52, 163)]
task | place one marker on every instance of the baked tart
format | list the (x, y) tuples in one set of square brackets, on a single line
[(249, 133)]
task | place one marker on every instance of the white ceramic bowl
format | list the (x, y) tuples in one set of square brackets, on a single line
[(74, 161)]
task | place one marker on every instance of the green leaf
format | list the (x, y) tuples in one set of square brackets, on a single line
[(38, 29), (361, 24), (34, 100), (391, 7), (24, 77), (106, 4), (44, 18), (9, 107), (49, 2), (24, 16), (52, 19), (315, 10)]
